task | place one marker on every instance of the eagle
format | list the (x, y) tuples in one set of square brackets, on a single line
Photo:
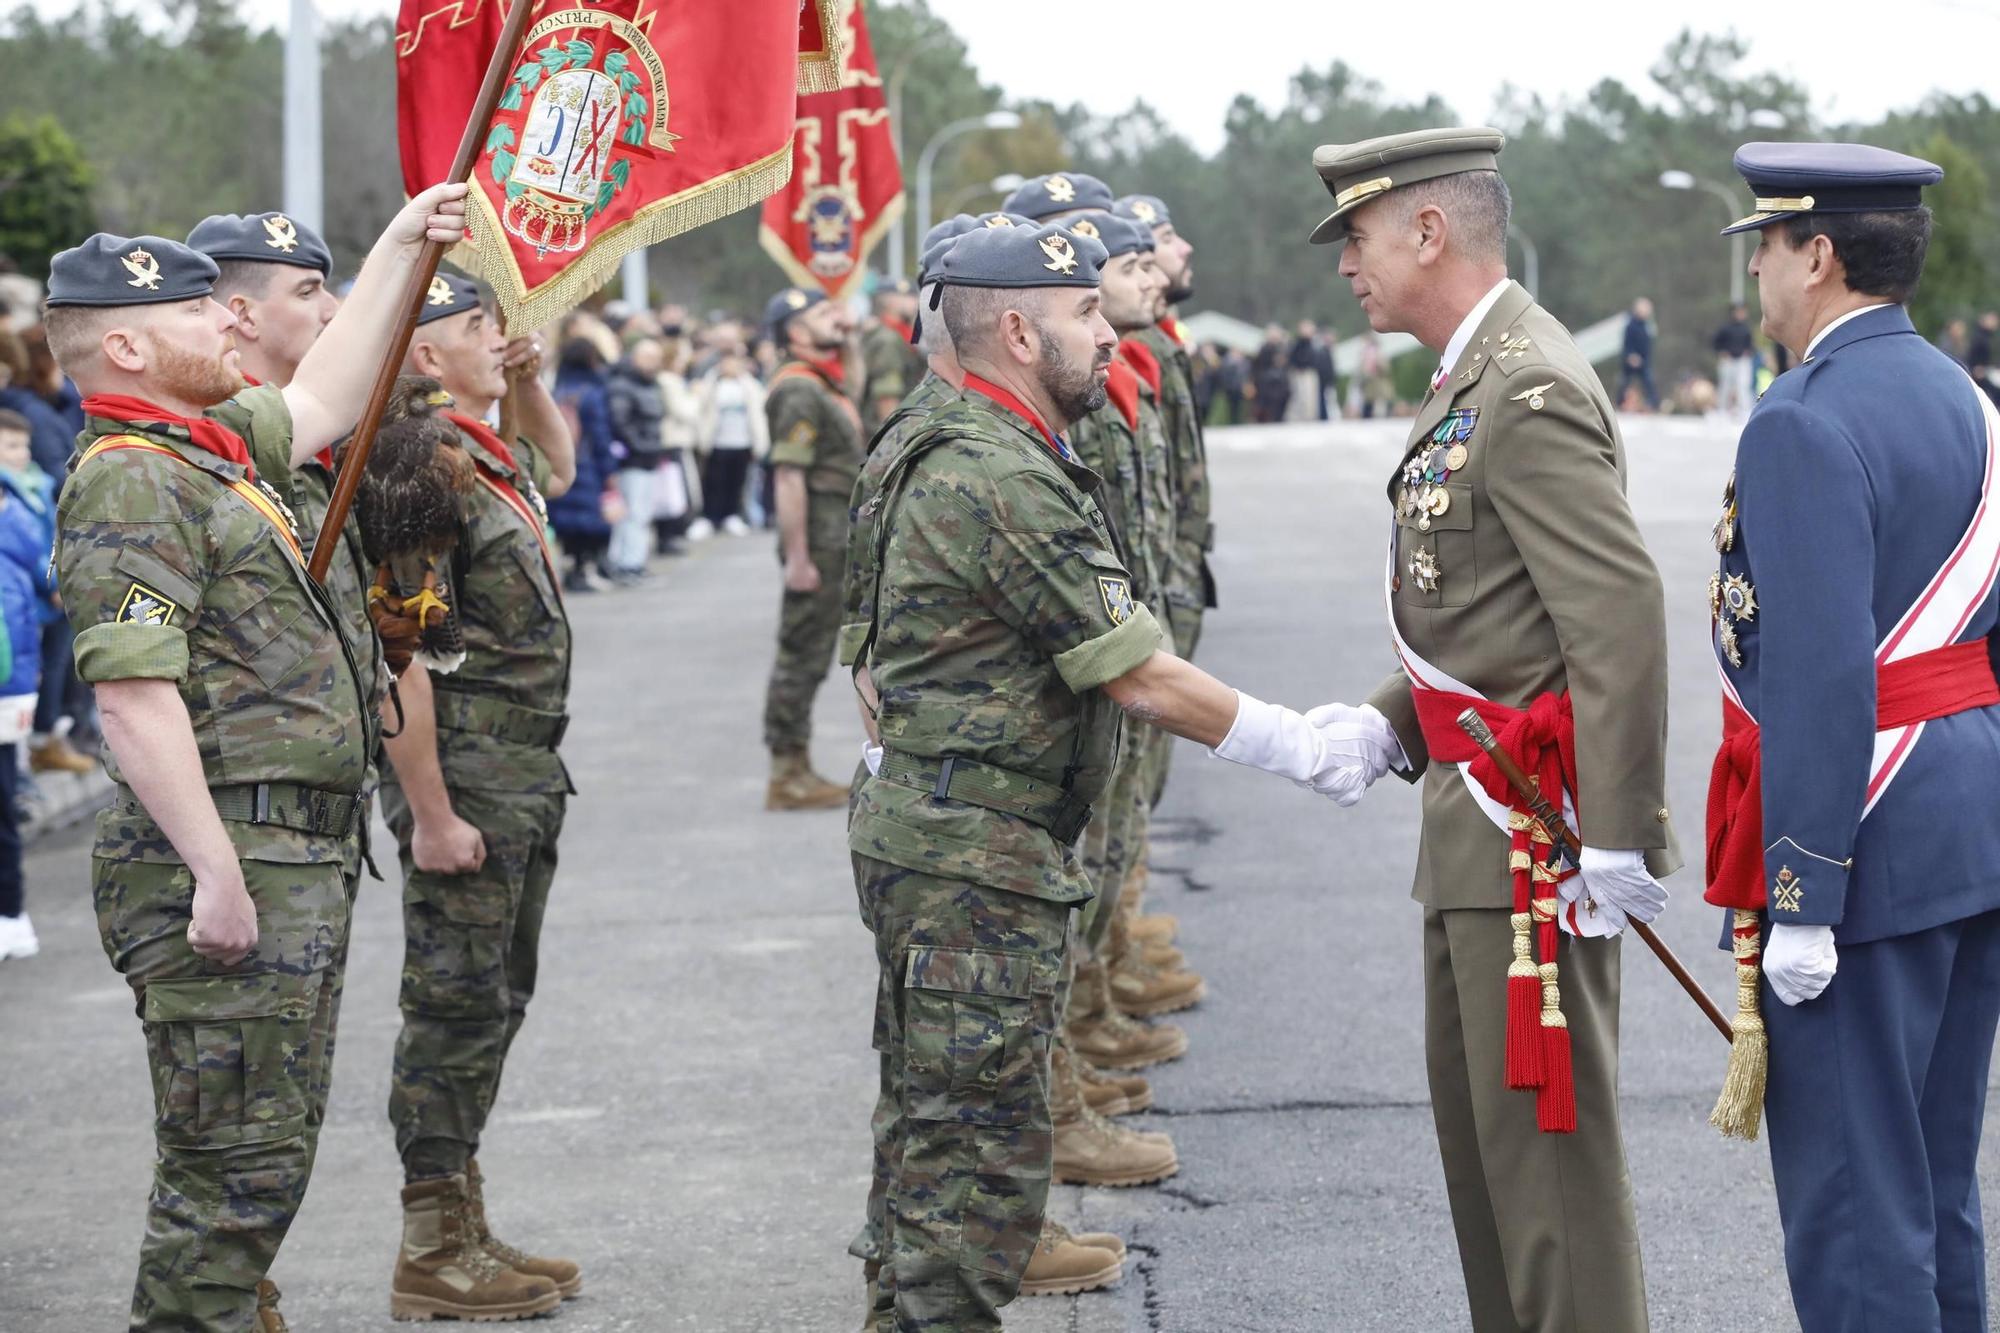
[(411, 510)]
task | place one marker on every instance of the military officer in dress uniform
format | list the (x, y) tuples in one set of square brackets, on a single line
[(994, 691), (476, 795), (1518, 585), (1854, 620), (236, 721), (891, 362)]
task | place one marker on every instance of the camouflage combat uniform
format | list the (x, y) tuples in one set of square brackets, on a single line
[(1001, 606), (885, 446), (816, 429), (171, 567), (894, 367), (308, 492), (1139, 498), (1190, 587), (471, 941)]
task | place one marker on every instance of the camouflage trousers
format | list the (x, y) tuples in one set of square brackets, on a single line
[(241, 1060), (1116, 838), (965, 1019), (808, 628), (471, 945)]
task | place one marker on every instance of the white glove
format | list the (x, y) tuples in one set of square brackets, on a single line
[(1374, 726), (1619, 879), (871, 755), (1337, 760), (1595, 920), (1800, 961)]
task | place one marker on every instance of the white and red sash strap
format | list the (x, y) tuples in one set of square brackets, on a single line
[(1922, 673)]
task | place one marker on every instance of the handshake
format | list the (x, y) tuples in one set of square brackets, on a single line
[(1335, 750)]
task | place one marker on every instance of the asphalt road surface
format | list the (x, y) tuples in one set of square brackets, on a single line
[(686, 1111)]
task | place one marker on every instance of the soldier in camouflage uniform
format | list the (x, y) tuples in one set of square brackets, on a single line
[(1004, 640), (891, 362), (236, 722), (816, 451), (476, 796), (272, 276)]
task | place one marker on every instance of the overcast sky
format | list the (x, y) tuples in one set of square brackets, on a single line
[(1858, 59)]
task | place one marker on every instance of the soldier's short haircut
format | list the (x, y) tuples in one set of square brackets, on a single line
[(244, 277), (1883, 253), (75, 331), (933, 336), (1476, 203), (972, 314)]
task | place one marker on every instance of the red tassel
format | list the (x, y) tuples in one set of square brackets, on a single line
[(1526, 1067), (1555, 1103)]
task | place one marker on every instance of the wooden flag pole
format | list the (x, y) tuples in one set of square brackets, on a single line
[(363, 439)]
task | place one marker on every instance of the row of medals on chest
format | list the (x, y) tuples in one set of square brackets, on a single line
[(1731, 599), (1424, 495)]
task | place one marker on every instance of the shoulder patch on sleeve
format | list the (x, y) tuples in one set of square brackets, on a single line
[(1117, 594), (145, 606)]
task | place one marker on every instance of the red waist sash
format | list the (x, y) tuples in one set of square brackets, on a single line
[(1920, 688)]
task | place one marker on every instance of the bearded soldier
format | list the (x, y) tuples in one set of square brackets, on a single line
[(1004, 640), (237, 723)]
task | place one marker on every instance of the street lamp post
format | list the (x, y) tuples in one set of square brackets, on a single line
[(1001, 185), (992, 120), (1531, 261), (1681, 180)]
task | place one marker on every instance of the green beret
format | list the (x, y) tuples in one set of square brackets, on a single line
[(265, 238), (109, 270), (1354, 173)]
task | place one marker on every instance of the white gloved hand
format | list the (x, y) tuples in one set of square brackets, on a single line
[(1595, 920), (1800, 961), (871, 755), (1618, 878), (1368, 718), (1335, 760)]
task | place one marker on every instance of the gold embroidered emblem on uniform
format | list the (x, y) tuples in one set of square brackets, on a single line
[(999, 220), (143, 606), (801, 434), (1533, 397), (1085, 227), (1061, 189), (795, 299), (1062, 255), (439, 293), (1424, 570), (1143, 211), (1787, 893), (280, 234), (145, 270), (1117, 594)]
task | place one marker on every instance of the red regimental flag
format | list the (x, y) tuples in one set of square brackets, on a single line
[(846, 189), (621, 123)]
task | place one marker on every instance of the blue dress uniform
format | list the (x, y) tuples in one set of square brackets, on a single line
[(1858, 479)]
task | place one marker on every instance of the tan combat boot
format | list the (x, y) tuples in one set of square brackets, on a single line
[(1157, 929), (1164, 957), (57, 755), (442, 1273), (1061, 1267), (1090, 1150), (1108, 1039), (1096, 1240), (269, 1320), (1132, 1089), (794, 785), (563, 1272), (1142, 990)]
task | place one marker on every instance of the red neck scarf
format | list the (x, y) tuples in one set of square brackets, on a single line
[(1140, 357), (988, 389), (1122, 388), (206, 432), (891, 322), (1172, 327), (832, 369), (487, 440)]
